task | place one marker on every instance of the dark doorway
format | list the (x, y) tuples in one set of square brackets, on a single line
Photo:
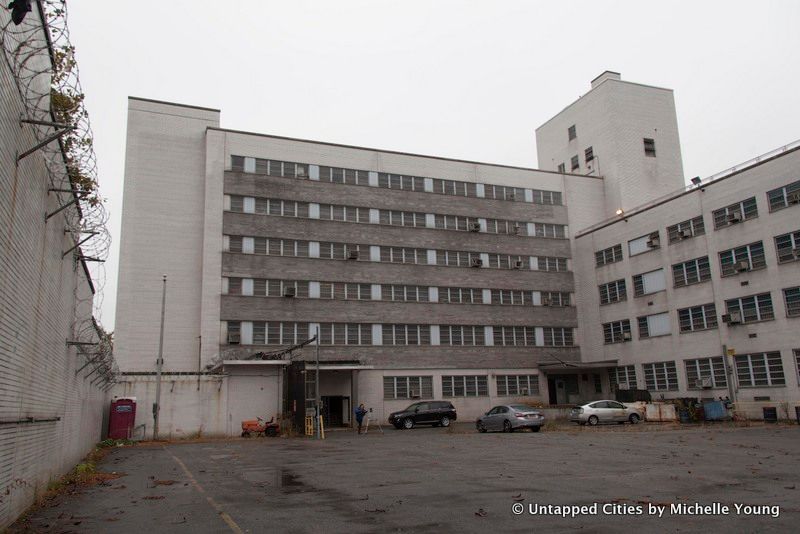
[(333, 410)]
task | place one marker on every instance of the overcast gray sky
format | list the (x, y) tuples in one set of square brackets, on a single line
[(468, 80)]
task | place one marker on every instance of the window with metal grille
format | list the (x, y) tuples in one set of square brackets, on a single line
[(454, 222), (617, 331), (514, 336), (460, 295), (791, 296), (404, 293), (517, 385), (623, 377), (740, 259), (407, 387), (465, 386), (686, 230), (613, 292), (345, 291), (608, 255), (406, 334), (649, 147), (546, 197), (752, 308), (234, 286), (571, 133), (696, 318), (460, 335), (547, 263), (654, 325), (788, 247), (278, 333), (575, 162), (562, 167), (588, 154), (237, 163), (691, 272), (556, 298), (760, 369), (660, 376), (234, 329), (740, 211), (705, 373), (456, 258), (648, 283), (558, 337), (783, 197), (345, 334), (511, 297), (235, 243), (404, 218), (404, 255), (553, 231)]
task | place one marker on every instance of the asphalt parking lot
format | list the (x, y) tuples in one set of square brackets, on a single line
[(448, 480)]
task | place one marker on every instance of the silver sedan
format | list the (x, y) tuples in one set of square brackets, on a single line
[(604, 411), (510, 417)]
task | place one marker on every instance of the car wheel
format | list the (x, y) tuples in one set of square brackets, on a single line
[(480, 427), (444, 421), (535, 428), (507, 426), (408, 423), (593, 420), (271, 432), (634, 418)]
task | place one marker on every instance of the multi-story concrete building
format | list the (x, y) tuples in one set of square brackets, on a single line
[(425, 277)]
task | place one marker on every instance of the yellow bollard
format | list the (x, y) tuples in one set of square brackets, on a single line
[(309, 426), (322, 427)]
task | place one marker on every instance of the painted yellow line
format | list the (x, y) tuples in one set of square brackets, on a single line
[(222, 513)]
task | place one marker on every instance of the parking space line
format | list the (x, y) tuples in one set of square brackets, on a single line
[(222, 513)]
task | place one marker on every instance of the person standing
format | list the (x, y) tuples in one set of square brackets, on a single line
[(360, 413)]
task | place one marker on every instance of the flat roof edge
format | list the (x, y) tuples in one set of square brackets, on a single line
[(176, 104)]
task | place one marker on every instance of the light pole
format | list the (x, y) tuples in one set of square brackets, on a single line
[(159, 361)]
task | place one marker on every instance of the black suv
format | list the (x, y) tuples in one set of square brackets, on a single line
[(424, 413)]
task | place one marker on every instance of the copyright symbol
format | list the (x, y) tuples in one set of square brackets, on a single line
[(517, 508)]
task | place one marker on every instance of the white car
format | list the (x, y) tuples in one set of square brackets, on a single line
[(604, 411)]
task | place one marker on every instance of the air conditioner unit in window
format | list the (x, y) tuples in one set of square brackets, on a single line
[(517, 228), (352, 255), (476, 262), (289, 291), (653, 242), (685, 233), (234, 338), (626, 336), (741, 266), (734, 217), (414, 394), (733, 317), (475, 227), (518, 264), (793, 197), (704, 382)]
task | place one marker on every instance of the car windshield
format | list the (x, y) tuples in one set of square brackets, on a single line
[(520, 408)]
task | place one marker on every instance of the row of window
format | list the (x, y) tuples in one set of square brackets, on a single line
[(340, 175), (290, 333), (732, 262), (356, 214), (419, 256), (778, 199), (760, 369), (421, 387), (749, 309)]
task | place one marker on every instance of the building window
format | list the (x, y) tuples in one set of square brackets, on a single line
[(750, 309), (649, 147), (706, 373), (234, 329), (686, 230), (558, 337), (404, 255), (623, 377), (783, 197), (514, 336), (575, 163), (345, 334), (547, 263), (788, 247), (643, 244), (647, 283), (608, 255), (654, 325), (697, 318), (406, 334), (504, 192), (460, 295), (792, 297), (562, 167), (452, 222), (617, 331), (735, 213), (613, 292), (571, 133), (465, 386), (407, 387), (740, 259), (404, 293), (555, 298), (691, 272), (511, 297), (459, 335), (797, 363), (661, 376), (550, 198), (517, 385), (760, 369), (345, 291), (588, 155)]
